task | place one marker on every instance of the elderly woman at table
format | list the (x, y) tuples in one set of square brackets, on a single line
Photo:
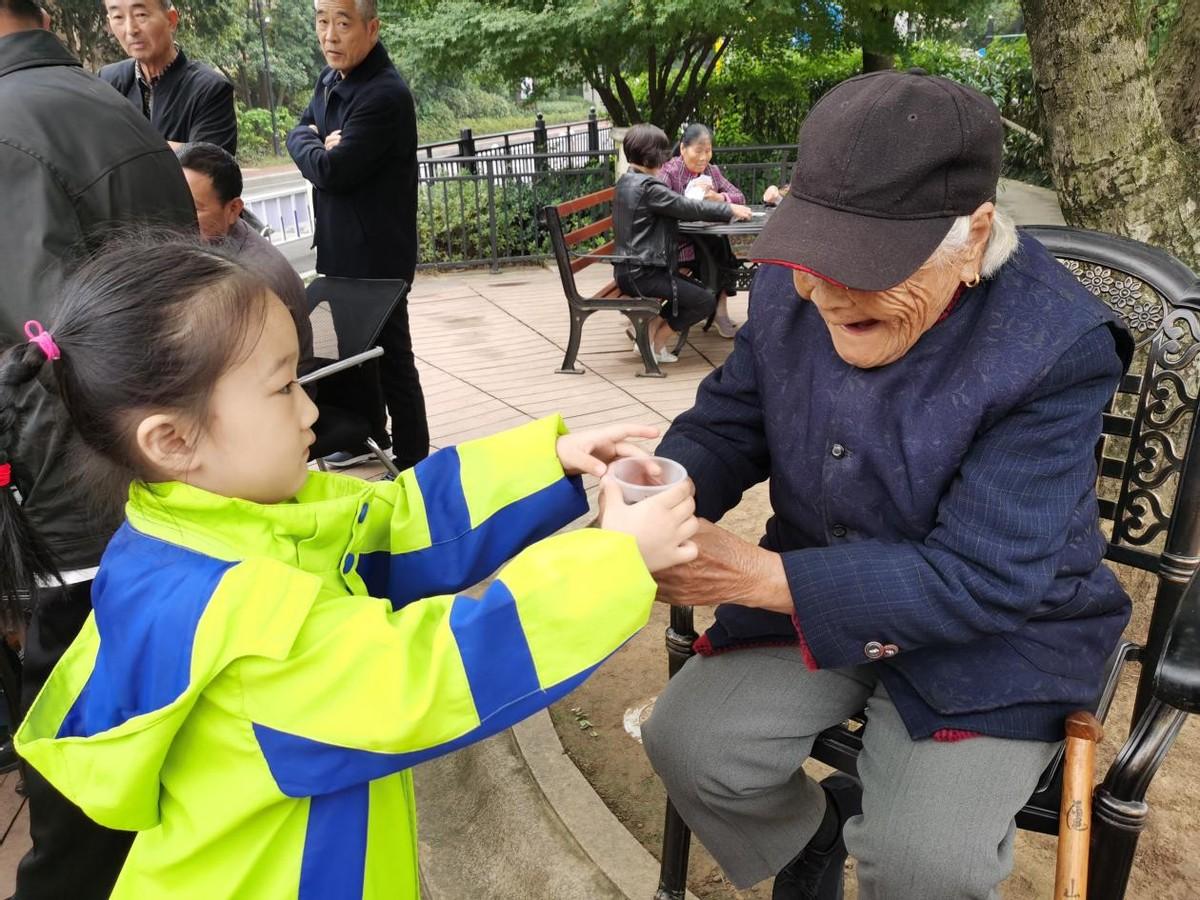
[(645, 255), (680, 172), (924, 390)]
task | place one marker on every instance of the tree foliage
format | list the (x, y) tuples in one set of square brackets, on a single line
[(236, 50), (675, 44), (81, 24)]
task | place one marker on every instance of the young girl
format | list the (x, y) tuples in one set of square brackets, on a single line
[(238, 696), (695, 161), (645, 213)]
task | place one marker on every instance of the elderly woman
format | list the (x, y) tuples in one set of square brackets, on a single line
[(924, 390), (679, 172)]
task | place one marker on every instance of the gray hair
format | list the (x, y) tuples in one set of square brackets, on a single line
[(1001, 245), (368, 9)]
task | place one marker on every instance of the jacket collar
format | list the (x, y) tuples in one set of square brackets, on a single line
[(33, 49), (174, 68), (372, 64), (318, 519)]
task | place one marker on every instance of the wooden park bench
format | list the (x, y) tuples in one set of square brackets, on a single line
[(639, 310)]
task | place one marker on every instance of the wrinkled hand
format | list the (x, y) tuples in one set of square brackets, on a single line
[(334, 138), (727, 569), (741, 213), (591, 450), (772, 195), (662, 525), (710, 194)]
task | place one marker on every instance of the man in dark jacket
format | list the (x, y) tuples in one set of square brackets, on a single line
[(357, 144), (73, 157), (184, 100)]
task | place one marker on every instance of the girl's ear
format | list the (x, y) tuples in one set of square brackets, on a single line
[(168, 444)]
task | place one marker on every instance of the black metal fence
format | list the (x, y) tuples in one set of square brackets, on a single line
[(586, 135), (484, 209)]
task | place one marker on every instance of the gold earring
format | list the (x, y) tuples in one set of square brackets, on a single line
[(974, 281)]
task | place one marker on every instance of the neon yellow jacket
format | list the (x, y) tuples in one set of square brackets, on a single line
[(241, 699)]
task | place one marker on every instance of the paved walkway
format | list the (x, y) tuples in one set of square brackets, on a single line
[(487, 347)]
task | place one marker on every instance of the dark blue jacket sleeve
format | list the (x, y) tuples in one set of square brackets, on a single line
[(720, 440), (374, 128), (990, 559)]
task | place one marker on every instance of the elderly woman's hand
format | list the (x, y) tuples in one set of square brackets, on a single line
[(727, 569), (772, 195)]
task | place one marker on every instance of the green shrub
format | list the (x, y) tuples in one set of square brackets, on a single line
[(254, 131), (452, 213), (762, 96)]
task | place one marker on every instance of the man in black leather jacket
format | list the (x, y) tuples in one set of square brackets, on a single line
[(645, 213), (75, 157)]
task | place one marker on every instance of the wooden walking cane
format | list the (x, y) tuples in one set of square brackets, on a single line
[(1075, 813)]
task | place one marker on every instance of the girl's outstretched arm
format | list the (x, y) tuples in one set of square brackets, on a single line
[(454, 518), (365, 690)]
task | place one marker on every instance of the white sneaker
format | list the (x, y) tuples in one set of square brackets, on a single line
[(665, 356), (726, 327)]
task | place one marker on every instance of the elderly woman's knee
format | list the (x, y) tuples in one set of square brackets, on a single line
[(919, 859)]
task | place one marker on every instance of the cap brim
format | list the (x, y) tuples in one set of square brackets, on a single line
[(862, 252)]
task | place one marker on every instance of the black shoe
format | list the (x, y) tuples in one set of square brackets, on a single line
[(817, 874)]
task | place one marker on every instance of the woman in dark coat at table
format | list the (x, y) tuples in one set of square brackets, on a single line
[(646, 251), (679, 172), (924, 389)]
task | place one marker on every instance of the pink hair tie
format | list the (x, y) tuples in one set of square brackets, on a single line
[(40, 336)]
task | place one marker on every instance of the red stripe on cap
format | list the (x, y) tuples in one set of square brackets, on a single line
[(800, 268), (5, 475)]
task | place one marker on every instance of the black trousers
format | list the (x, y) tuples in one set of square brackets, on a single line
[(691, 302), (402, 390), (71, 856)]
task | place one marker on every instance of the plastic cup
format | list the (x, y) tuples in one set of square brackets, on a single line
[(633, 476)]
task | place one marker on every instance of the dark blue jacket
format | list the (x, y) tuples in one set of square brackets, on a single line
[(365, 188), (944, 503)]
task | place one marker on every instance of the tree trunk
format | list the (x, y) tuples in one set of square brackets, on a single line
[(1115, 166), (879, 40), (1175, 77)]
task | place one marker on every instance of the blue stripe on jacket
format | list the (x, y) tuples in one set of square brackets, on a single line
[(461, 556), (148, 599), (504, 686)]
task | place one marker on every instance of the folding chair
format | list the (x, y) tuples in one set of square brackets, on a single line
[(348, 315)]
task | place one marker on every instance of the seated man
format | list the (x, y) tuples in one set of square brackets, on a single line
[(216, 183)]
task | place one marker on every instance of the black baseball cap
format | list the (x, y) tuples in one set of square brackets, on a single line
[(886, 162)]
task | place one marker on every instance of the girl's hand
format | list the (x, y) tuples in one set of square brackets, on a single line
[(772, 196), (591, 450), (662, 525), (741, 213)]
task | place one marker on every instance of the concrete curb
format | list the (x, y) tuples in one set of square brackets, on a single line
[(618, 854)]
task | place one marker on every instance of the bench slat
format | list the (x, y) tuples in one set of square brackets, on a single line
[(586, 201), (578, 264), (579, 235)]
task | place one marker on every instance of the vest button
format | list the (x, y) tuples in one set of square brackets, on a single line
[(873, 650), (348, 564), (837, 451), (838, 531)]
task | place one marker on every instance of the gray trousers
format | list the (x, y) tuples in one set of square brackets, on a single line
[(728, 737)]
